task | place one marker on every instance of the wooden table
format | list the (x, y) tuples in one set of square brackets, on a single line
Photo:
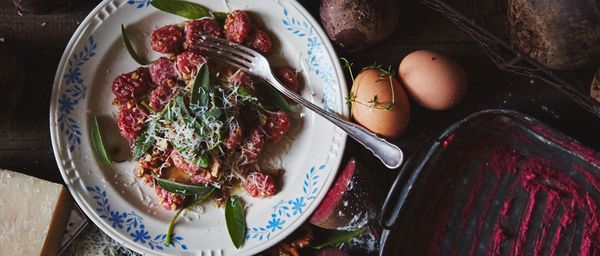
[(31, 46)]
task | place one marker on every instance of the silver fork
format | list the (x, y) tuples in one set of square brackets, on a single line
[(254, 63)]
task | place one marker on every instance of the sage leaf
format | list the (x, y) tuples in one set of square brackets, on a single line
[(339, 238), (141, 145), (99, 143), (272, 96), (186, 116), (236, 221), (200, 88), (182, 189), (130, 49), (220, 16), (144, 140), (199, 199), (181, 8)]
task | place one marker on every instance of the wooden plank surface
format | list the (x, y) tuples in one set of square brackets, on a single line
[(31, 45)]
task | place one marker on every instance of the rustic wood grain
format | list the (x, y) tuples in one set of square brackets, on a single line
[(31, 46)]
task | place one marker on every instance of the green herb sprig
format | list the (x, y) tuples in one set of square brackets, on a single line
[(384, 74), (348, 65)]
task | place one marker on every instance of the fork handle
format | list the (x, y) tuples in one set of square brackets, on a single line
[(390, 154)]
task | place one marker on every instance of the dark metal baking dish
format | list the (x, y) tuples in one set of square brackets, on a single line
[(496, 183)]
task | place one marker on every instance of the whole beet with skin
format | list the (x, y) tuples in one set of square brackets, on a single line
[(356, 24), (351, 202), (558, 34)]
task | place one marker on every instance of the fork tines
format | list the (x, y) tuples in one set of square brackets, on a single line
[(234, 54)]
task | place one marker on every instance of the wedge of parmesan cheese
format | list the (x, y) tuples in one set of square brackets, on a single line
[(33, 214)]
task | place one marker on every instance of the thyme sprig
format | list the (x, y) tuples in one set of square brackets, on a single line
[(384, 74)]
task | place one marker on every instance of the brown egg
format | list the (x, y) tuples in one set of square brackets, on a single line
[(373, 107), (432, 79)]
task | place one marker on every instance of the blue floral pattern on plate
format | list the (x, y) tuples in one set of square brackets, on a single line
[(284, 210), (139, 3), (315, 57), (74, 94), (131, 223)]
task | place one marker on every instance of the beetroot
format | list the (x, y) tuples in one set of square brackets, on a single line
[(558, 34), (332, 252), (357, 24), (350, 203)]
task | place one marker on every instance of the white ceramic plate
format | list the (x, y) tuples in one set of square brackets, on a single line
[(126, 209)]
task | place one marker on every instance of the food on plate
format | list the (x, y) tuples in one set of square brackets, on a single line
[(205, 26), (558, 34), (289, 78), (433, 80), (351, 203), (294, 244), (33, 215), (259, 40), (332, 252), (379, 103), (356, 24), (595, 88), (168, 39), (132, 84), (197, 126), (237, 26)]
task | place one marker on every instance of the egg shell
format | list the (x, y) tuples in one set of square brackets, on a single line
[(432, 79), (388, 123)]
